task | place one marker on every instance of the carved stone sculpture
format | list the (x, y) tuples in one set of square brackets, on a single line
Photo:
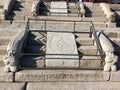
[(11, 59), (8, 4), (109, 14), (82, 9), (35, 7), (110, 57)]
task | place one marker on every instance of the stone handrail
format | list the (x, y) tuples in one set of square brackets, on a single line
[(110, 57), (11, 59), (35, 7), (109, 14), (82, 9)]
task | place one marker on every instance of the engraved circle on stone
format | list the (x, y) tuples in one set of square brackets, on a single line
[(59, 44)]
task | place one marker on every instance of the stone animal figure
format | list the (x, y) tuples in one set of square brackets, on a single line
[(35, 7), (14, 48), (109, 14), (110, 57)]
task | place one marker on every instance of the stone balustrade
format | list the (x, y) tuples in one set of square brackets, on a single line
[(107, 11), (35, 7), (110, 57), (14, 48)]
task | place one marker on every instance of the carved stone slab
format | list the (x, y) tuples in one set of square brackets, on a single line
[(61, 43), (59, 8)]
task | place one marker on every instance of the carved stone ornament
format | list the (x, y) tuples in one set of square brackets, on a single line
[(110, 57)]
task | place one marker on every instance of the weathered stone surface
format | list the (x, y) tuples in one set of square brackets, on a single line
[(118, 34), (59, 8), (111, 34), (89, 50), (90, 62), (82, 35), (115, 76), (61, 75), (59, 26), (74, 86), (85, 41), (61, 43), (3, 50), (12, 86), (6, 77)]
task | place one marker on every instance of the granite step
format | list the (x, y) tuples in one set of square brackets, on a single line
[(85, 41), (4, 40), (60, 75), (8, 33), (3, 49), (91, 62), (32, 62), (82, 35), (88, 50), (1, 61)]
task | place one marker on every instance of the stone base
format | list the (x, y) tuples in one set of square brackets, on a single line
[(74, 86)]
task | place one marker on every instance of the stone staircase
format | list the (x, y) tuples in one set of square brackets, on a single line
[(88, 59)]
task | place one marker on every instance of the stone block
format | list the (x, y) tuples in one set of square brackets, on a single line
[(74, 86), (86, 19), (90, 62), (111, 24), (83, 35), (6, 77), (59, 26), (65, 45), (85, 41), (3, 50), (59, 8), (115, 76), (61, 75), (99, 19), (12, 86)]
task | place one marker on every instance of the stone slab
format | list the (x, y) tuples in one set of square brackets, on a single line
[(6, 77), (61, 43), (12, 86), (61, 75), (59, 8), (115, 76), (74, 86)]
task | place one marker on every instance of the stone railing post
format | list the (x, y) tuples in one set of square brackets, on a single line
[(35, 7), (107, 11)]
